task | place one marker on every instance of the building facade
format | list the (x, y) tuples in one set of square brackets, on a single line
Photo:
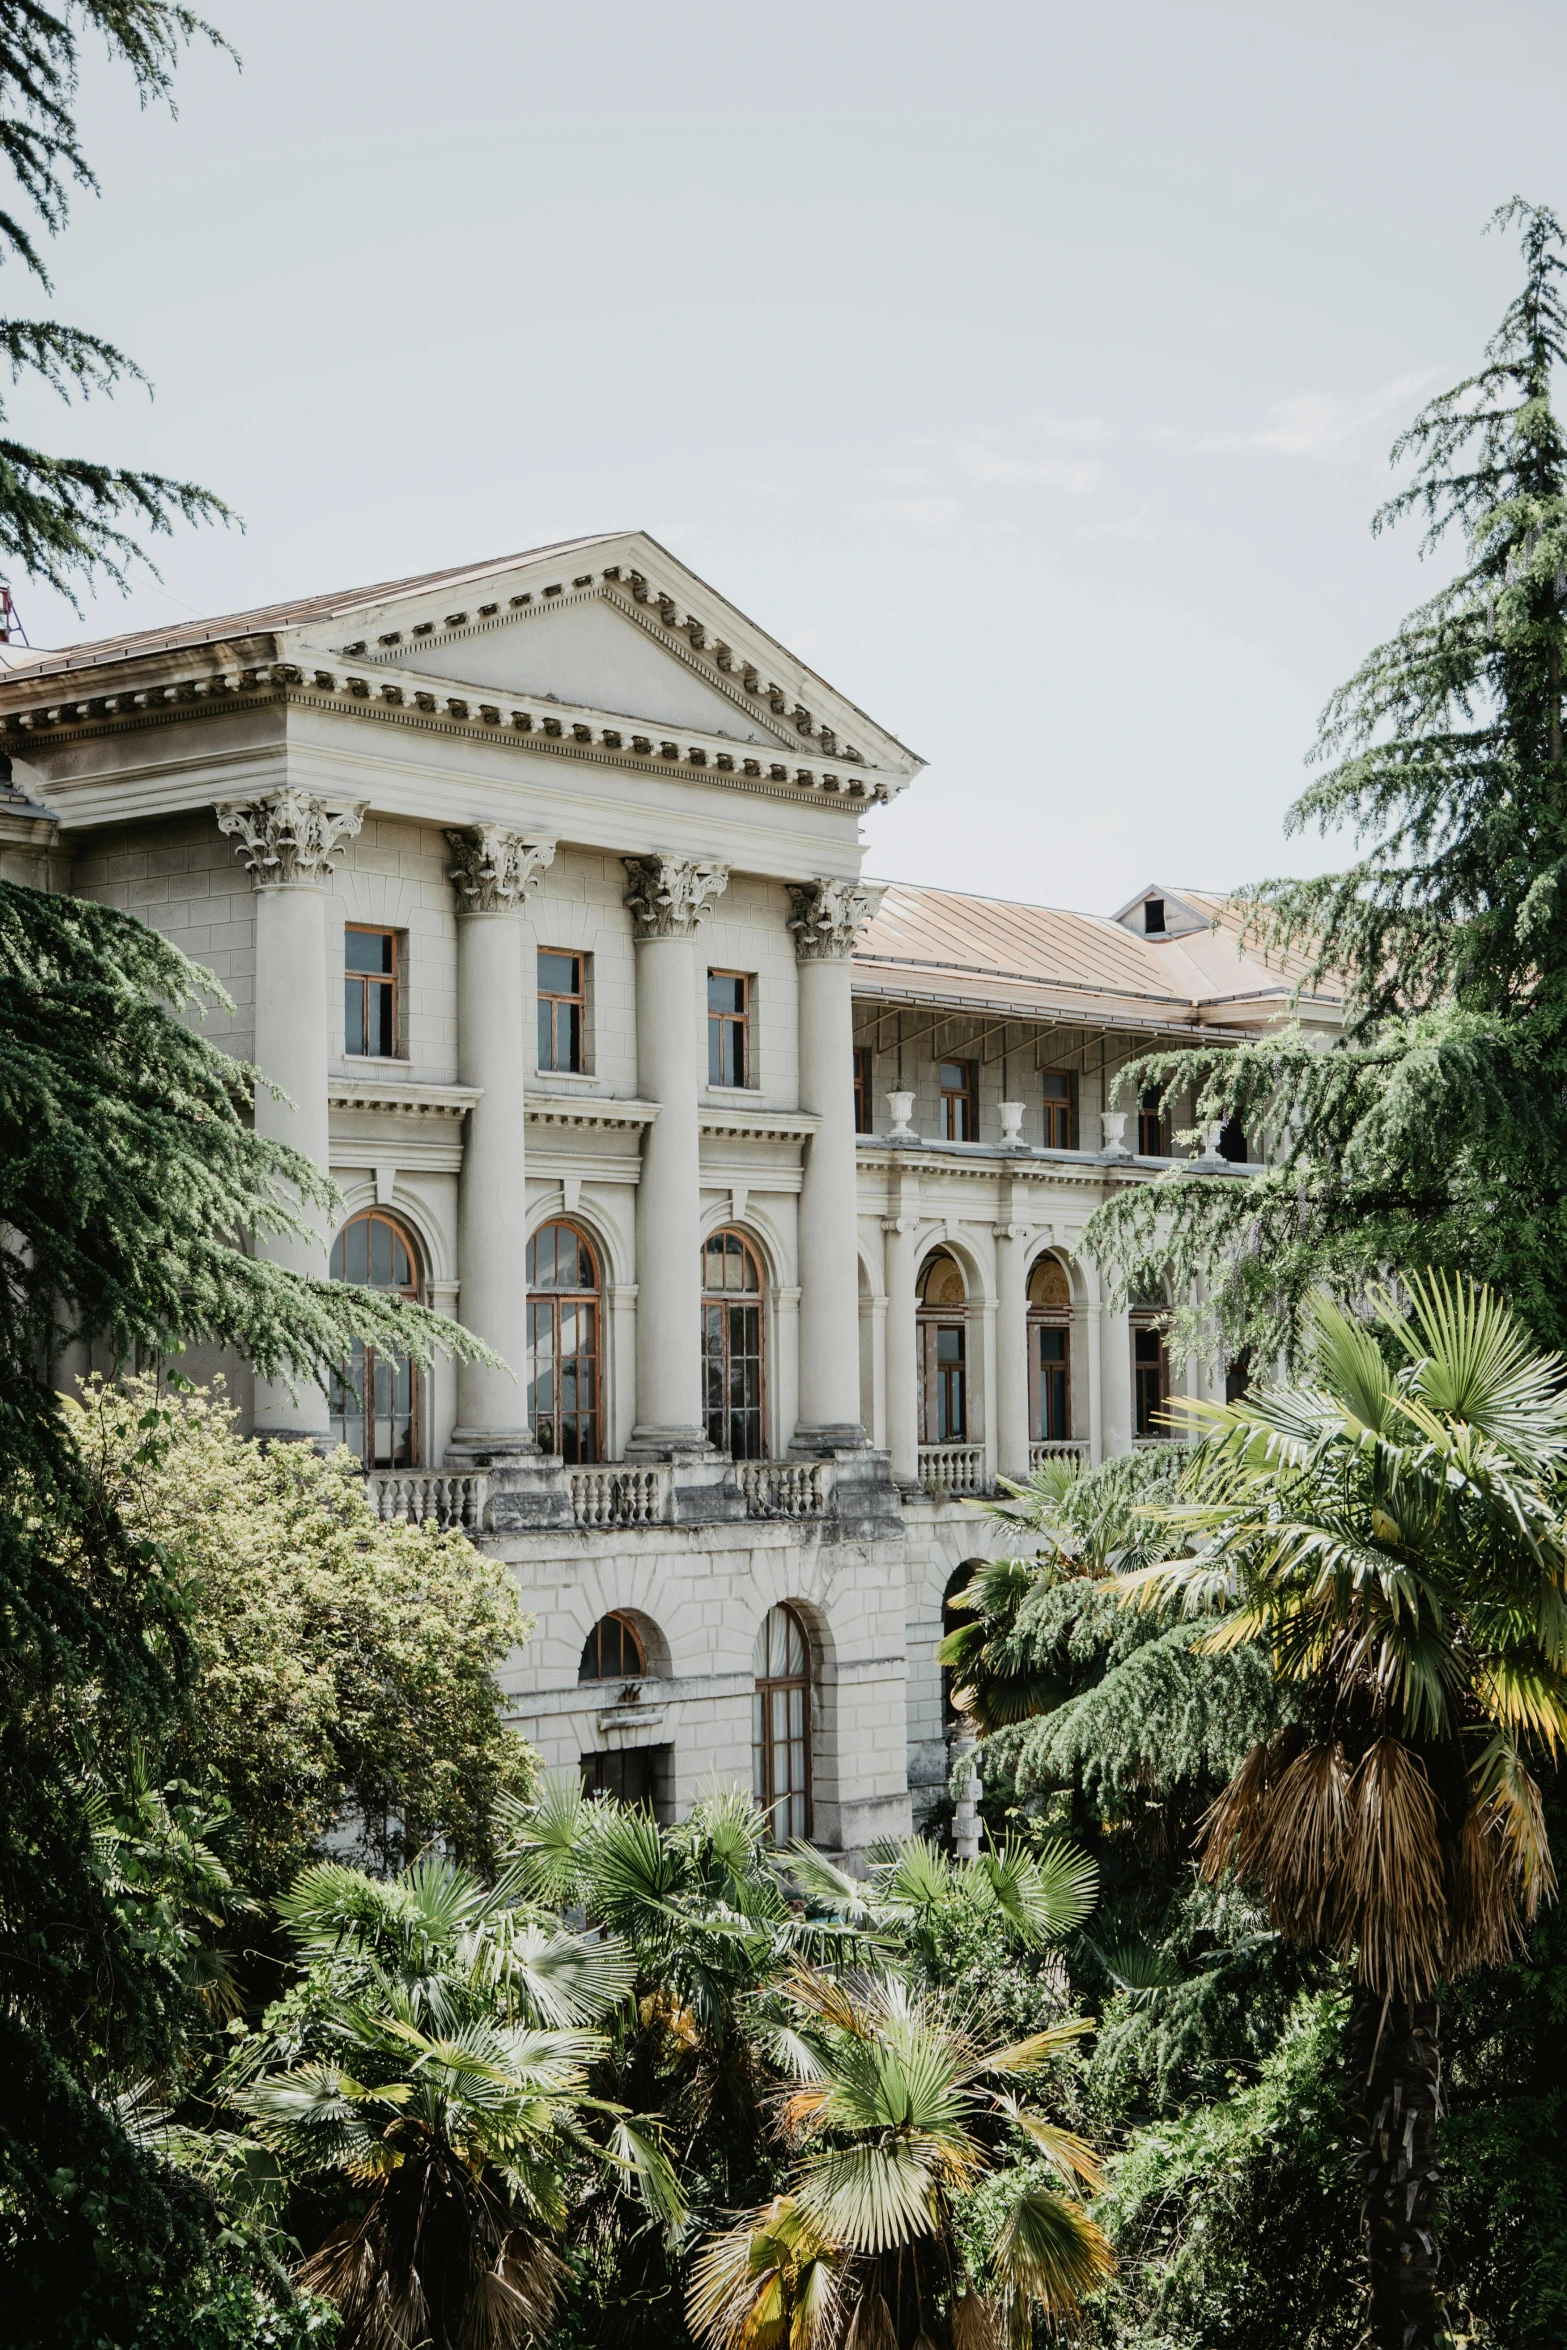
[(536, 892)]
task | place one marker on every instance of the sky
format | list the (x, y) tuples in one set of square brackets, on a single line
[(1029, 369)]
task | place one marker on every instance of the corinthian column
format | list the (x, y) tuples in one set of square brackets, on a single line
[(492, 871), (287, 838), (825, 917), (1012, 1429), (668, 898)]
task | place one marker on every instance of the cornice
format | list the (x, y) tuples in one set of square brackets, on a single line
[(545, 1109), (685, 636), (396, 1093), (533, 725), (784, 1125)]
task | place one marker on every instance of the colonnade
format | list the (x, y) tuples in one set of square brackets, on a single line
[(287, 839)]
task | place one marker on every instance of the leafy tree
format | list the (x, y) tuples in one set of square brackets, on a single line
[(1436, 1131), (435, 2055), (128, 1170), (904, 2126), (343, 1668), (62, 518), (1391, 1530)]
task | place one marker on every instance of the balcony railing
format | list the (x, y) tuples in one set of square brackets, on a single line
[(783, 1489), (1056, 1448), (429, 1497), (951, 1469), (617, 1497)]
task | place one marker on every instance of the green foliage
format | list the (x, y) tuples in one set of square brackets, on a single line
[(1235, 2220), (344, 1668), (1436, 1132)]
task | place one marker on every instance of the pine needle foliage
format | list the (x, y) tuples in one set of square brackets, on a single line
[(64, 519), (1436, 1131)]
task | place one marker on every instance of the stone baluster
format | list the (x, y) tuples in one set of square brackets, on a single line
[(492, 872), (287, 839), (668, 898), (825, 917)]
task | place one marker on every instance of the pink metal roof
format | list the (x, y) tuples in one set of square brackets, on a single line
[(939, 946)]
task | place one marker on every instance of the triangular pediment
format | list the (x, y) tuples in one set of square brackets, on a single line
[(614, 624)]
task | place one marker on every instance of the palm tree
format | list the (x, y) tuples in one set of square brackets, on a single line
[(436, 2058), (1391, 1530), (912, 2143), (911, 1888)]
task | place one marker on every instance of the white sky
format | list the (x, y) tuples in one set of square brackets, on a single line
[(1028, 367)]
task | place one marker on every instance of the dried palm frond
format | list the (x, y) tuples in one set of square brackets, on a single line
[(974, 2324), (1392, 1901), (1299, 1836), (871, 2327)]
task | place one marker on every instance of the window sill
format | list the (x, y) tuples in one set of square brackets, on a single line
[(568, 1077), (380, 1061), (731, 1093)]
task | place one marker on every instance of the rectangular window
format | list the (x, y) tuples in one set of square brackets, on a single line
[(1052, 1395), (560, 1009), (1148, 1372), (863, 1081), (944, 1401), (1060, 1091), (1232, 1142), (728, 1028), (637, 1775), (960, 1101), (1152, 1137), (370, 984)]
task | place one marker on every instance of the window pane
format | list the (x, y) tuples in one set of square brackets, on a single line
[(367, 950), (558, 973), (949, 1345), (954, 1076), (353, 1016), (1056, 1085), (725, 992), (1052, 1346), (546, 1033), (380, 1254), (358, 1238)]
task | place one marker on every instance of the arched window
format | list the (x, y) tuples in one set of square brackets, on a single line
[(374, 1403), (732, 1345), (1049, 1352), (943, 1345), (613, 1652), (781, 1725), (563, 1343)]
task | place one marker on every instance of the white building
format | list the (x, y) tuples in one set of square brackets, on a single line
[(536, 888)]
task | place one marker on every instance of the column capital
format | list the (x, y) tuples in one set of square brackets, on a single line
[(826, 916), (669, 896), (493, 869), (288, 836)]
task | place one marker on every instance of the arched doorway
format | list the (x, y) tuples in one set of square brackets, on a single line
[(942, 1321), (781, 1724), (1049, 1353), (563, 1342), (373, 1404), (732, 1364)]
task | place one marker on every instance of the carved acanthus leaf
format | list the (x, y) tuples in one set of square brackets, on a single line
[(669, 895), (827, 916), (493, 870), (289, 835)]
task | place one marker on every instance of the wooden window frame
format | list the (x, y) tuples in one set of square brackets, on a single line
[(1037, 1383), (368, 1358), (595, 1641), (1060, 1112), (551, 1001), (768, 1688), (1153, 1130), (722, 1299), (938, 1378), (723, 1025), (953, 1095), (363, 981), (1145, 1421), (552, 1300), (864, 1083)]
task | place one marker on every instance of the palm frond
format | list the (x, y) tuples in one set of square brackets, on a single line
[(1048, 2250), (1042, 1894)]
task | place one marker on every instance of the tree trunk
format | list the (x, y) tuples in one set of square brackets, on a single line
[(1396, 2102)]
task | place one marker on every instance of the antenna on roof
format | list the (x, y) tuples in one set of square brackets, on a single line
[(11, 629)]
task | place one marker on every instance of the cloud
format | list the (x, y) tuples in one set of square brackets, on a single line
[(1070, 428), (1313, 424), (1076, 476)]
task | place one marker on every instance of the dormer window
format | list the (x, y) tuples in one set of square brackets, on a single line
[(1153, 917)]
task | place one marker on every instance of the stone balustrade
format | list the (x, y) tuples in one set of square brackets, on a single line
[(950, 1470), (1066, 1448), (784, 1489), (618, 1497), (426, 1497)]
